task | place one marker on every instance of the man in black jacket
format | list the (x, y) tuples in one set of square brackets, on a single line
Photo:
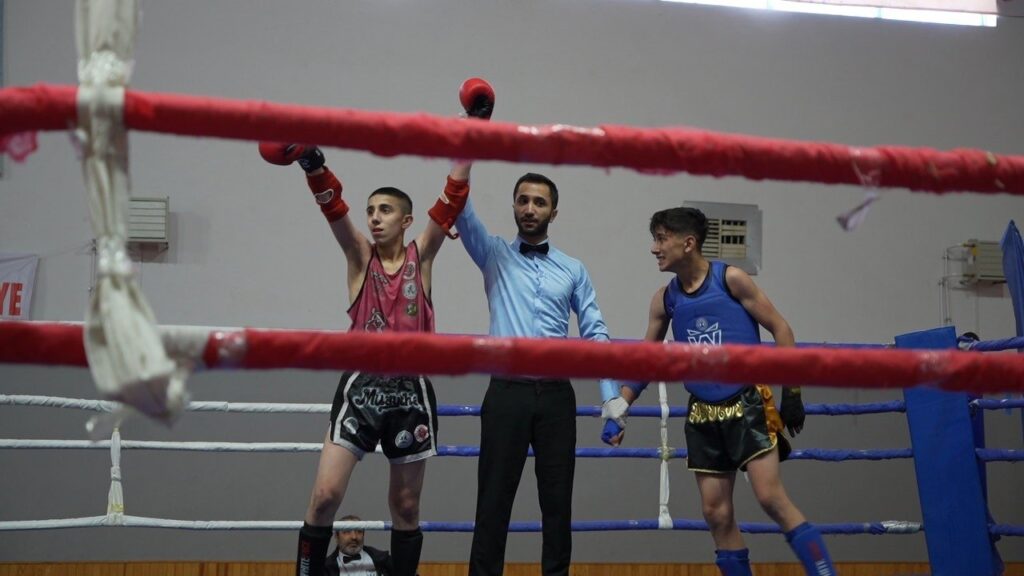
[(352, 557)]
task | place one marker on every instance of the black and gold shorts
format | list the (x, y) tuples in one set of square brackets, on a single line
[(723, 436)]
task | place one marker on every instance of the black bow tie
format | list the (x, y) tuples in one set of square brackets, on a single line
[(525, 248), (346, 558)]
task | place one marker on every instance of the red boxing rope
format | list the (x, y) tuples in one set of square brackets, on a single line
[(49, 343), (659, 150), (412, 353)]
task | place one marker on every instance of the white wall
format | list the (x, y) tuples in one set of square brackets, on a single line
[(249, 247)]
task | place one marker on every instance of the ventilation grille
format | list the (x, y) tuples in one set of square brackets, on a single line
[(734, 234), (984, 262), (147, 220), (726, 239)]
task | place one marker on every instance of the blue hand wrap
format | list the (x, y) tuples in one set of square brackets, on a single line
[(611, 430)]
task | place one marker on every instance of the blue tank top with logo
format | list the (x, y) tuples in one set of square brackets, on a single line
[(710, 315)]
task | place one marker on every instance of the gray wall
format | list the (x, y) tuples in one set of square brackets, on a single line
[(249, 248)]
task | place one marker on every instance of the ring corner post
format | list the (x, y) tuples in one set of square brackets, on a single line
[(949, 484)]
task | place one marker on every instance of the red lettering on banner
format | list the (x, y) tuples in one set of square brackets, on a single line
[(16, 300)]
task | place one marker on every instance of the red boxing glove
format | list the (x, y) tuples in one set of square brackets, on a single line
[(477, 98), (281, 154), (449, 205), (309, 157), (326, 189)]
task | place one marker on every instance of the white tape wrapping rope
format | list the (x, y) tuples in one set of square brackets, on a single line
[(664, 518), (126, 357)]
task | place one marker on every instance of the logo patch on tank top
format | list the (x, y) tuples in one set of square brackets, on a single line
[(409, 290), (410, 271), (376, 322), (379, 281), (704, 334)]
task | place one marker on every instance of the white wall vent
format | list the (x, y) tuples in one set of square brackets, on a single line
[(734, 234), (727, 239), (984, 263), (148, 220)]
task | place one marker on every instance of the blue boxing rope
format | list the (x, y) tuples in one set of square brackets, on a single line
[(1014, 343), (654, 453), (1006, 530), (682, 411), (885, 527), (819, 454), (450, 451), (850, 345), (997, 404), (996, 455), (846, 455), (637, 411), (854, 409)]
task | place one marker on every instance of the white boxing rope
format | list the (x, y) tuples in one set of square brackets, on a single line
[(58, 402), (259, 407), (664, 518), (87, 522), (115, 498), (115, 502), (145, 522), (126, 357), (35, 444), (205, 406)]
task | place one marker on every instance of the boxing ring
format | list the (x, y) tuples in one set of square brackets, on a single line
[(60, 344), (120, 327)]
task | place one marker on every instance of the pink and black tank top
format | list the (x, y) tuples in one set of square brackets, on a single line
[(393, 302)]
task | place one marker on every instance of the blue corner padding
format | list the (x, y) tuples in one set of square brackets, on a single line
[(948, 482), (1013, 270)]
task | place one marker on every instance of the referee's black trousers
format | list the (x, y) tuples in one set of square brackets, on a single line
[(515, 415)]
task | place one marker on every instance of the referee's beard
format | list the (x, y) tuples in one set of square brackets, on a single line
[(535, 230)]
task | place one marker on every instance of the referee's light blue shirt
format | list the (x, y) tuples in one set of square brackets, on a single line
[(531, 295)]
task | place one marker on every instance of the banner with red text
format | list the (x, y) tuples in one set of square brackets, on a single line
[(17, 279)]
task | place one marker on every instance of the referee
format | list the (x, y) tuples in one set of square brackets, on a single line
[(531, 289)]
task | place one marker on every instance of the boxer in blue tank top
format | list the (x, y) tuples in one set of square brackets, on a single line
[(730, 427)]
